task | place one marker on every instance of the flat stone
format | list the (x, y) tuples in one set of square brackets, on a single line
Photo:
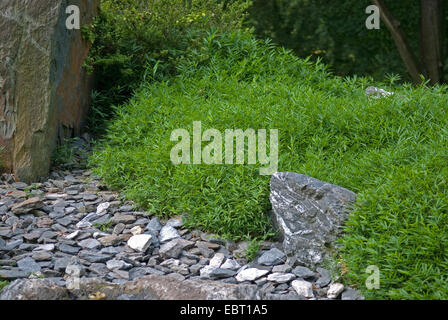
[(60, 264), (93, 257), (324, 279), (11, 245), (278, 277), (27, 206), (335, 290), (154, 225), (250, 274), (231, 265), (13, 274), (109, 240), (119, 228), (272, 257), (140, 242), (123, 218), (68, 249), (90, 243), (115, 264), (41, 256), (28, 265), (217, 260), (45, 247), (136, 230), (351, 294), (303, 288), (220, 273), (303, 272), (72, 235), (102, 208), (283, 268), (168, 233), (174, 248), (175, 223)]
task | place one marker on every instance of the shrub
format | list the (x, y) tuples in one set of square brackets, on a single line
[(391, 151), (135, 40)]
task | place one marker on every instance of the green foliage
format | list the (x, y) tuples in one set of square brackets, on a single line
[(252, 249), (335, 31), (135, 40), (63, 153), (3, 284), (104, 227), (391, 151)]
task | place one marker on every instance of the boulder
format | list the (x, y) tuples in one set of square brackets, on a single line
[(309, 214), (44, 89)]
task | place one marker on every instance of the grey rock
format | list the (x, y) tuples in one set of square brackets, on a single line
[(60, 264), (303, 272), (303, 288), (279, 277), (220, 273), (272, 257), (351, 294), (93, 257), (309, 214), (68, 249), (335, 290), (174, 248), (28, 265), (231, 264), (175, 223), (13, 274), (90, 243), (283, 268), (324, 279), (13, 245), (154, 225), (168, 233)]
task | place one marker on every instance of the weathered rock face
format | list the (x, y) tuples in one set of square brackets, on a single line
[(153, 287), (309, 214), (44, 91)]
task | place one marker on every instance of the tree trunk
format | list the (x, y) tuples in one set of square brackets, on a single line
[(410, 61), (431, 39)]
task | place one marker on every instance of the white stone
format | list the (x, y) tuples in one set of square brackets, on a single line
[(278, 277), (45, 247), (140, 242), (303, 288), (102, 208), (206, 271), (217, 260), (83, 224), (72, 235), (250, 274), (168, 233), (137, 230), (231, 264), (335, 290)]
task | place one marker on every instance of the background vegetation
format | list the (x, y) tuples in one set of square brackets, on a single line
[(391, 151)]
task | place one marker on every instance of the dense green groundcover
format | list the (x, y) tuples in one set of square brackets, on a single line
[(392, 151)]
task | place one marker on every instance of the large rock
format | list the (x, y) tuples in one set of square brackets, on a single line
[(153, 287), (309, 214), (44, 90)]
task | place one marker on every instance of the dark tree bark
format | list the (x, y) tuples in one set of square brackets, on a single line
[(431, 39), (431, 50), (409, 59)]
